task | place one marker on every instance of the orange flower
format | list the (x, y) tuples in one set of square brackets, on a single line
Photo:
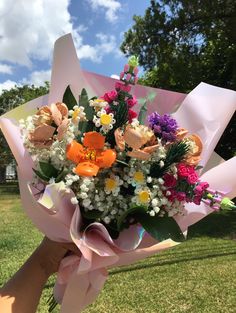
[(90, 156), (193, 157)]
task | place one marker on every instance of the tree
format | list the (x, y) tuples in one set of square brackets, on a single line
[(181, 43), (186, 42), (10, 99)]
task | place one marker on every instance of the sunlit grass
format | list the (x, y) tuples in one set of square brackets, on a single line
[(197, 276)]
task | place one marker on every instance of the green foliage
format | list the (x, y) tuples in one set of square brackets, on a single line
[(84, 102), (181, 43), (181, 277), (131, 211), (69, 99), (160, 228), (142, 113), (174, 154)]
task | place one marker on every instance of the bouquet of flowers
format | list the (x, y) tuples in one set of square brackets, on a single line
[(120, 172), (118, 182)]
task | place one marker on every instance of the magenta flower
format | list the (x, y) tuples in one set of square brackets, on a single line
[(169, 181), (110, 96), (131, 102), (120, 86), (131, 115)]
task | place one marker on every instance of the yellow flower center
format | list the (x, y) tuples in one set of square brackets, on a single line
[(111, 184), (90, 155), (144, 196), (139, 177), (98, 100), (76, 113), (105, 119)]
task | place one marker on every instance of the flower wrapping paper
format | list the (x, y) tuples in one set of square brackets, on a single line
[(205, 111)]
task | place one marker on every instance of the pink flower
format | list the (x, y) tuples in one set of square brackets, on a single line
[(170, 181), (135, 79), (198, 190), (122, 74), (181, 196), (197, 200), (120, 86), (132, 101), (110, 96), (204, 185), (172, 196), (182, 170), (126, 67), (135, 71), (128, 77), (132, 115), (192, 178)]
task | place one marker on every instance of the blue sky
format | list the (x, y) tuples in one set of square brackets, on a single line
[(29, 28)]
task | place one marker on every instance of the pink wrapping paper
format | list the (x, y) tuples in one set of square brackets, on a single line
[(205, 111)]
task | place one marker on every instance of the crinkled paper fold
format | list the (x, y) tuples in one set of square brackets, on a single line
[(205, 111)]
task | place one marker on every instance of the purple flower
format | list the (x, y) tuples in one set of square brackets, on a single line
[(164, 126)]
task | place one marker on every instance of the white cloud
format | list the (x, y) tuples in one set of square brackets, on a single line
[(111, 7), (115, 76), (5, 69), (28, 29), (37, 78), (106, 45), (7, 85)]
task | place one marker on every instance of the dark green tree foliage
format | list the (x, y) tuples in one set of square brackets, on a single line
[(9, 99), (181, 43)]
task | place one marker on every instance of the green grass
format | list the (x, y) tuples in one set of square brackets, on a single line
[(196, 276)]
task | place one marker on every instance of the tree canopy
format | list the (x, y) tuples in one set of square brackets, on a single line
[(181, 43), (9, 99), (185, 42)]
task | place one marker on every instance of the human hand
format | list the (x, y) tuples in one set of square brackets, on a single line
[(50, 253)]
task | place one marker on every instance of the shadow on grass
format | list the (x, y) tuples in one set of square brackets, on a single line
[(186, 258), (217, 225)]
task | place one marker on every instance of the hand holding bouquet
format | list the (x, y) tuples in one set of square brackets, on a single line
[(118, 182)]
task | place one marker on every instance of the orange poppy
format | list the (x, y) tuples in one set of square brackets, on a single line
[(90, 156)]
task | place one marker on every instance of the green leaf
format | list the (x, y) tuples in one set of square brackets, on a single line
[(48, 169), (84, 127), (160, 228), (84, 102), (69, 99), (92, 215), (41, 175), (61, 175), (122, 162), (132, 209), (143, 113)]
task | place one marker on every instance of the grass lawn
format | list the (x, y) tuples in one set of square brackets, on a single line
[(197, 276)]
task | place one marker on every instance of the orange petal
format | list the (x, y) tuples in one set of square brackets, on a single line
[(62, 108), (106, 158), (62, 128), (44, 109), (42, 133), (74, 151), (87, 169), (193, 160), (119, 138), (150, 149), (181, 133), (198, 144), (56, 114), (139, 154), (133, 137), (94, 140)]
